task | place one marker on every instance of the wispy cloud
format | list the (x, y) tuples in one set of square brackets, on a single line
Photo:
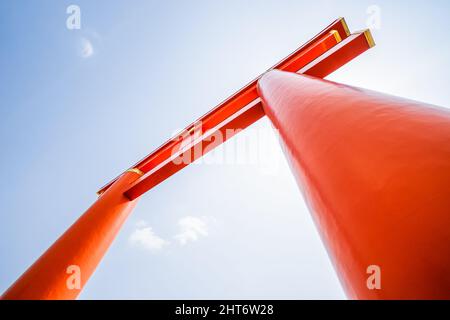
[(191, 229), (86, 48), (145, 238)]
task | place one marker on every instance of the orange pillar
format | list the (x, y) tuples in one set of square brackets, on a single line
[(375, 171), (63, 270)]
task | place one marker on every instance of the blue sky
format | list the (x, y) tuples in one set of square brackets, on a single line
[(79, 106)]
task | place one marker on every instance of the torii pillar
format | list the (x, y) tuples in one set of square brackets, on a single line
[(375, 171), (63, 270)]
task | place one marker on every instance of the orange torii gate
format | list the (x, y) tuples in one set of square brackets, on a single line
[(335, 203)]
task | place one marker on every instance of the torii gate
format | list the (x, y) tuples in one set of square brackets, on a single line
[(375, 170)]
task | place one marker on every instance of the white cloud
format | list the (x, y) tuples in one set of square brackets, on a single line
[(144, 237), (86, 48), (191, 229), (141, 224)]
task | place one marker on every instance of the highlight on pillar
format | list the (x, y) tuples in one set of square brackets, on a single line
[(374, 170)]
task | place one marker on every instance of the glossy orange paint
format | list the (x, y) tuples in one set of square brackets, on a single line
[(203, 141), (375, 171), (82, 246), (340, 54), (314, 48), (198, 148)]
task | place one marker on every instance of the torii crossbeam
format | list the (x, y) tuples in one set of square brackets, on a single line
[(82, 246)]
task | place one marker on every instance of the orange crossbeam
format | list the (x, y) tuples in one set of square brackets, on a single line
[(200, 142), (321, 43)]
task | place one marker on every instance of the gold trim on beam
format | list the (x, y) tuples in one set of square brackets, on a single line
[(336, 35), (135, 170), (345, 26)]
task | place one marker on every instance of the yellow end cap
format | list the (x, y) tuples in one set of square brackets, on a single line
[(369, 38)]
